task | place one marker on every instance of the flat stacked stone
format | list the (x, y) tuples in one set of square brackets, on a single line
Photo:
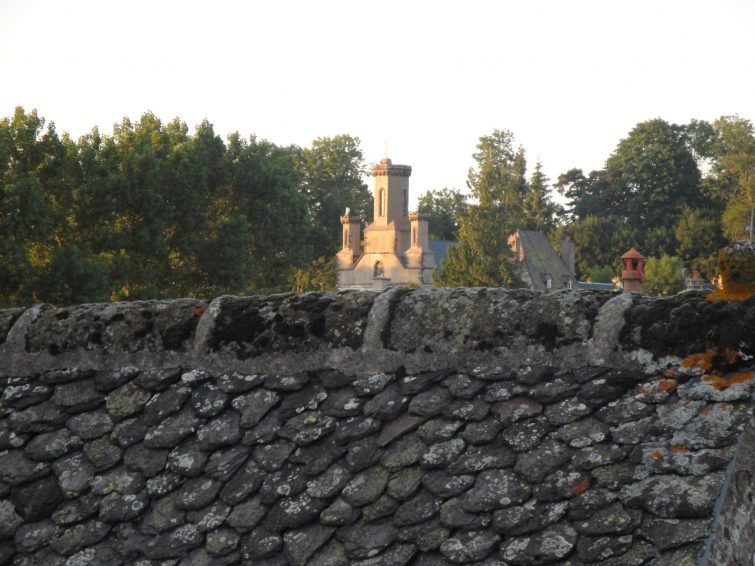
[(527, 465)]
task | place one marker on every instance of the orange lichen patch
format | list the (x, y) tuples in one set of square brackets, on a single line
[(581, 487), (730, 356), (198, 310), (732, 292), (642, 389), (703, 361), (656, 454), (667, 385), (718, 381), (670, 372), (678, 448)]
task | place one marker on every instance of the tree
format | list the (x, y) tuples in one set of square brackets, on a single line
[(72, 276), (141, 208), (445, 208), (733, 174), (482, 256), (641, 195), (154, 211), (599, 240), (601, 274), (331, 173), (225, 259), (319, 276), (664, 275), (498, 177), (655, 171), (698, 235), (539, 212), (28, 213), (264, 190), (588, 195), (194, 175)]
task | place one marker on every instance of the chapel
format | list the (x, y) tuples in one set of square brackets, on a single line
[(396, 244)]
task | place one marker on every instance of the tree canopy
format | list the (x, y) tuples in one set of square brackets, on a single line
[(444, 208), (155, 210), (481, 257), (667, 189)]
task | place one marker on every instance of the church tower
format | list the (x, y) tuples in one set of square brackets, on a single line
[(389, 231), (396, 244)]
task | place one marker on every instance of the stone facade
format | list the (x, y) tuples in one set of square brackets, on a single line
[(468, 426), (396, 243)]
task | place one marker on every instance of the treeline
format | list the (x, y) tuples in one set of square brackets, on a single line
[(154, 211), (675, 192)]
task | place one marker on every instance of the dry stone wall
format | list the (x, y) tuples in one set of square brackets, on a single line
[(412, 427)]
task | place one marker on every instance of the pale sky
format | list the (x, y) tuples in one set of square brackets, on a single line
[(427, 79)]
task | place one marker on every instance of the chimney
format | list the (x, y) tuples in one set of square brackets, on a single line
[(633, 271), (568, 253)]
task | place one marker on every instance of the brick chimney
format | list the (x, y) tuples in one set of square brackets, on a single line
[(633, 271)]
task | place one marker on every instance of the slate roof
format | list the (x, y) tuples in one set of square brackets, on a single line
[(540, 261), (440, 250)]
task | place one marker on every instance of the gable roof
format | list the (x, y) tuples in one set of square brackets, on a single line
[(540, 261)]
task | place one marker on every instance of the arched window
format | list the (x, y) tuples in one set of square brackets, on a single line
[(381, 202), (345, 238), (414, 235), (377, 271)]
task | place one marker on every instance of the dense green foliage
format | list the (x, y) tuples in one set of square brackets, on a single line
[(669, 190), (319, 276), (481, 257), (664, 275), (154, 211), (679, 191), (601, 274), (444, 209)]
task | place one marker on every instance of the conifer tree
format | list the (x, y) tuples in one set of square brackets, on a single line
[(482, 257)]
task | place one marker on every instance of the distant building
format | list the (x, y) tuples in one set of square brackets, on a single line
[(697, 283), (540, 267), (397, 249)]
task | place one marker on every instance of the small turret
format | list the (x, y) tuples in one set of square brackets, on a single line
[(350, 249), (419, 256), (419, 240)]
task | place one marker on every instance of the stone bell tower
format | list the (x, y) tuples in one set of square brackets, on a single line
[(389, 231)]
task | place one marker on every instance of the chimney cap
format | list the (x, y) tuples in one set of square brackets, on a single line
[(632, 254)]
